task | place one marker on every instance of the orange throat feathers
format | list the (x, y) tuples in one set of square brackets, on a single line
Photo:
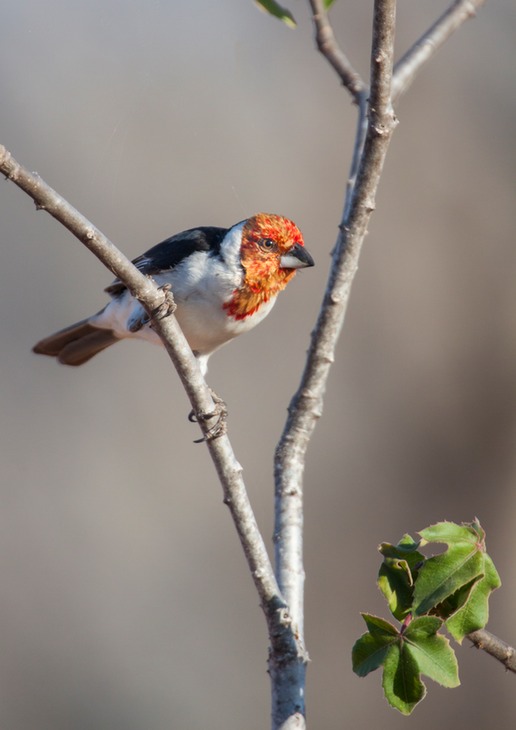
[(256, 291)]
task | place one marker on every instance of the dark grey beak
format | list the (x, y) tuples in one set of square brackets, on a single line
[(297, 258)]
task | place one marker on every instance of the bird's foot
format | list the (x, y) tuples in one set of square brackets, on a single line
[(143, 318), (168, 305), (220, 412)]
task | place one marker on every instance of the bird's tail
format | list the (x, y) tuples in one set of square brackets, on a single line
[(76, 344)]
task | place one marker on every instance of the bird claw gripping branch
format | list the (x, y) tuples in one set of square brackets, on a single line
[(220, 412), (167, 306)]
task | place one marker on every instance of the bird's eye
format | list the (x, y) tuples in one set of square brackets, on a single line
[(268, 244)]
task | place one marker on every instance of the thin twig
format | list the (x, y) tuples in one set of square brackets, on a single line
[(155, 302), (330, 49), (358, 148), (424, 48), (494, 646)]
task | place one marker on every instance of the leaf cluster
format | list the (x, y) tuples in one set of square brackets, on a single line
[(449, 590)]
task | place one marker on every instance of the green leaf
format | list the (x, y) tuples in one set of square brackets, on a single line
[(422, 628), (278, 11), (406, 549), (396, 583), (379, 626), (397, 574), (370, 649), (432, 653), (405, 655), (450, 532), (368, 654), (473, 613), (419, 651), (328, 4), (401, 683), (445, 574)]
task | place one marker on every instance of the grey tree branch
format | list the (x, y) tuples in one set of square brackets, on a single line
[(358, 147), (375, 126), (382, 59), (494, 646), (424, 48), (284, 642), (306, 405)]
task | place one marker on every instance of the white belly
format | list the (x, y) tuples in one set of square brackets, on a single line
[(200, 308)]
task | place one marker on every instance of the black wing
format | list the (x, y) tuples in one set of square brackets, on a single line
[(169, 253)]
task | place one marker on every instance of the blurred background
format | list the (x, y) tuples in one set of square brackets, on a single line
[(125, 600)]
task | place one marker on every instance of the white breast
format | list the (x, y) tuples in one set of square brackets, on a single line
[(201, 284)]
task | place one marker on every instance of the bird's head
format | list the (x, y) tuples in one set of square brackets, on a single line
[(272, 248)]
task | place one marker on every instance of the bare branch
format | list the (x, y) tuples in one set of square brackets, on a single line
[(423, 49), (291, 449), (384, 25), (330, 49), (228, 469), (306, 405), (494, 646), (375, 126), (358, 148)]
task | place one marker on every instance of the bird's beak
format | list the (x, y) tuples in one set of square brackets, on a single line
[(297, 258)]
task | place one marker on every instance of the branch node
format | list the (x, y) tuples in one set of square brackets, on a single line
[(285, 618)]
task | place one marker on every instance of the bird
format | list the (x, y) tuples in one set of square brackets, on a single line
[(224, 282)]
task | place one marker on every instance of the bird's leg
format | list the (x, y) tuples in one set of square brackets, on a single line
[(220, 412)]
